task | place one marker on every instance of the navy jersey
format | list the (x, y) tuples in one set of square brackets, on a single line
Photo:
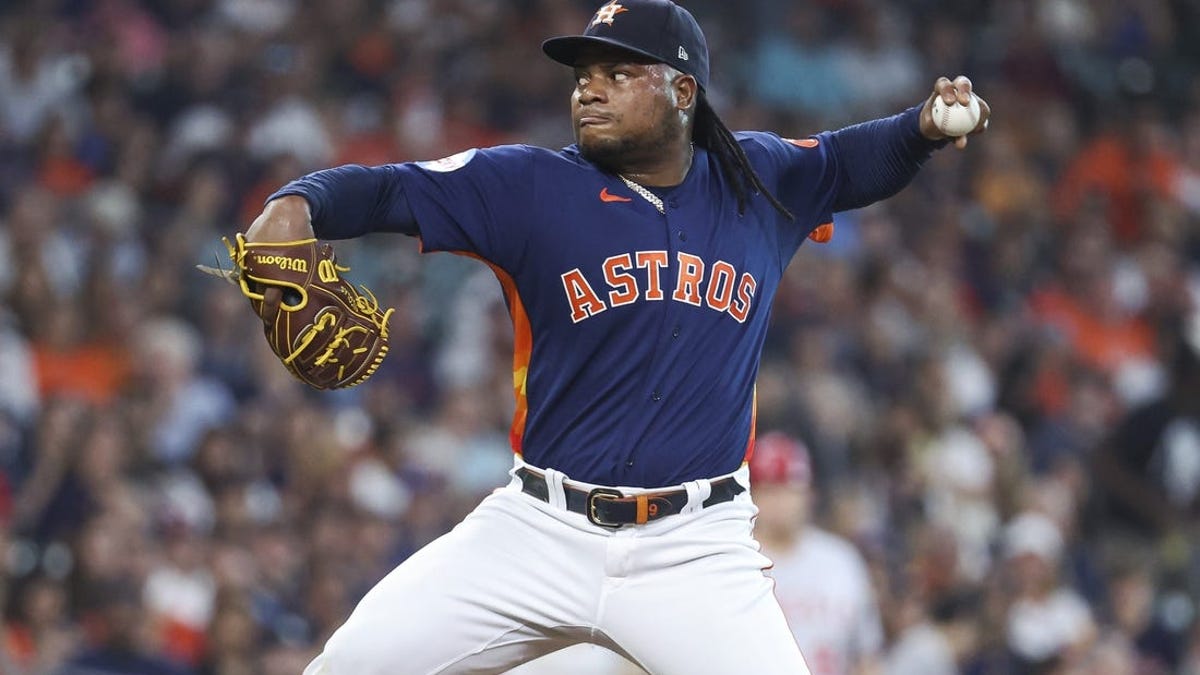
[(637, 334)]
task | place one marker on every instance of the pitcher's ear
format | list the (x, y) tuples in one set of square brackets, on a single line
[(686, 91)]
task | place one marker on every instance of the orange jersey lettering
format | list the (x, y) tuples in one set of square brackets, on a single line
[(687, 284), (584, 301), (720, 286), (740, 308), (652, 262), (625, 290)]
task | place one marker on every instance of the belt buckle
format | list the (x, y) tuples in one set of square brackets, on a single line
[(592, 516)]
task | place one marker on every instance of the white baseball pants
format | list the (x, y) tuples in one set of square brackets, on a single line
[(520, 578)]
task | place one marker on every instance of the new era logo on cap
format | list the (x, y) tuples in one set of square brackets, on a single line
[(656, 29)]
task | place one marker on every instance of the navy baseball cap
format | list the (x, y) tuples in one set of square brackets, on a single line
[(657, 29)]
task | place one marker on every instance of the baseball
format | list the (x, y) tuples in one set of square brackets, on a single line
[(955, 119)]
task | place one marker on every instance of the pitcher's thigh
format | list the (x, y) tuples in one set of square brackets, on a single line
[(706, 618), (480, 599)]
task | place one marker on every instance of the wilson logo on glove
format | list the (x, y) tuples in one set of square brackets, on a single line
[(328, 272), (282, 262), (326, 333)]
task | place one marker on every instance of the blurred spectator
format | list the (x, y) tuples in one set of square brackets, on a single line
[(69, 362), (232, 639), (179, 594), (38, 633), (36, 80), (880, 51), (180, 404), (1149, 469), (796, 67), (1128, 164), (18, 390), (1085, 310), (1048, 624), (821, 580), (942, 642), (46, 506), (1140, 634), (120, 641)]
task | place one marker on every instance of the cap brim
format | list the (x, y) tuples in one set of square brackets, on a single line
[(566, 49)]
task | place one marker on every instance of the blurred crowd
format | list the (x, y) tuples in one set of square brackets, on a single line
[(997, 372)]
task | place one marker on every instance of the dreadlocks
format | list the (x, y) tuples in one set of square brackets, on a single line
[(711, 133)]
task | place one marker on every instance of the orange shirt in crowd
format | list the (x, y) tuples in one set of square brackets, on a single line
[(65, 176), (94, 373), (1110, 167), (1102, 344)]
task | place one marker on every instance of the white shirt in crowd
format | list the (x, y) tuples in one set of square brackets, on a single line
[(825, 590)]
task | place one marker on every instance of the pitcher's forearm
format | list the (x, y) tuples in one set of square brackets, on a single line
[(286, 218)]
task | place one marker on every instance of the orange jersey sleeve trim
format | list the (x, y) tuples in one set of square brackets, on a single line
[(823, 234)]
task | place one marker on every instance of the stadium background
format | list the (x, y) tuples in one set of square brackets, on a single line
[(974, 349)]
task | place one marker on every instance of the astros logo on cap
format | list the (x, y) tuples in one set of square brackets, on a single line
[(607, 13)]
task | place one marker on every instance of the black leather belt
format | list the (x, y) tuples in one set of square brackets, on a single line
[(607, 507)]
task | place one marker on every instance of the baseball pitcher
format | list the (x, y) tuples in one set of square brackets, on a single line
[(639, 265)]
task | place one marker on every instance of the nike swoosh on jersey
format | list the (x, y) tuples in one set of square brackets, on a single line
[(605, 197)]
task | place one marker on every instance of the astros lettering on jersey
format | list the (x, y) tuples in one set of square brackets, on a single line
[(689, 278)]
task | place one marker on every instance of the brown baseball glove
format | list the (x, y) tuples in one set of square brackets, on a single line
[(327, 333)]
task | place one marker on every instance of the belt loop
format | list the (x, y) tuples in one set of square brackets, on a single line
[(697, 492), (554, 488), (643, 509), (515, 480)]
